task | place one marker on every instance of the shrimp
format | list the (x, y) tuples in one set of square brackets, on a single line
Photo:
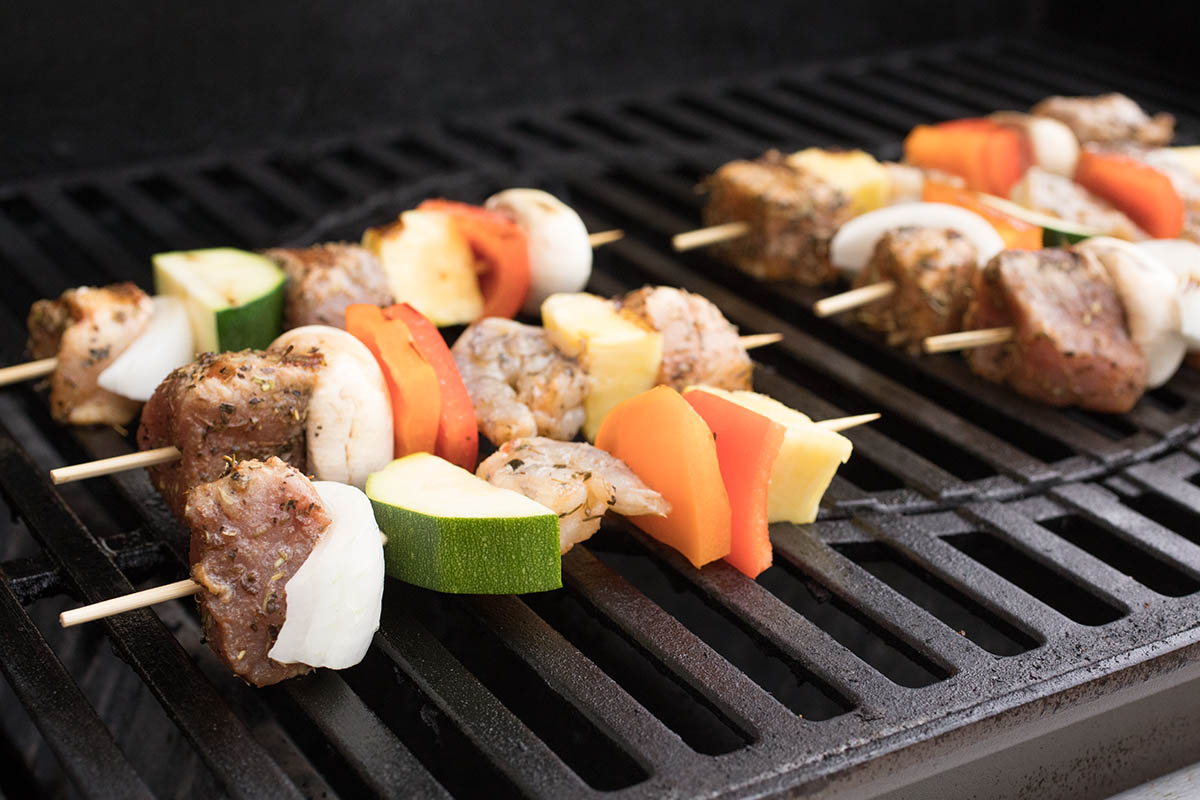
[(700, 346), (519, 383), (578, 481)]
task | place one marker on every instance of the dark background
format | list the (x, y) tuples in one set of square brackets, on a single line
[(87, 84)]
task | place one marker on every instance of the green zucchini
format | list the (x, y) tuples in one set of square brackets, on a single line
[(234, 298), (450, 531), (1055, 232)]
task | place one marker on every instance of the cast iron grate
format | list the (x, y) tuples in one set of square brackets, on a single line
[(876, 629)]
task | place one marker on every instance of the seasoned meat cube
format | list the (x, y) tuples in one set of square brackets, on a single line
[(933, 269), (251, 531), (1059, 196), (1070, 344), (792, 215), (1107, 119), (86, 328), (325, 278), (227, 406), (700, 346)]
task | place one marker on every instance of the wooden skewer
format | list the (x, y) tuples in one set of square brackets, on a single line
[(759, 340), (27, 371), (843, 423), (965, 340), (837, 303), (128, 602), (601, 238), (703, 237), (107, 466)]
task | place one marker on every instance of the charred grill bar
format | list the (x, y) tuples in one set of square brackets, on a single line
[(989, 577)]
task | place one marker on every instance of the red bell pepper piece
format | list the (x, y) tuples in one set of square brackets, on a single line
[(1146, 195), (747, 445), (411, 380), (500, 247), (457, 432), (990, 156)]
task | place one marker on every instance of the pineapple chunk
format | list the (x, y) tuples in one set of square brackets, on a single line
[(430, 265), (1189, 157), (807, 460), (855, 172), (621, 355)]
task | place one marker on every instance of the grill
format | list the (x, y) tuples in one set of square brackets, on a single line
[(988, 577)]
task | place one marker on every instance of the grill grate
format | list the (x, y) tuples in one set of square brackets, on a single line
[(981, 561)]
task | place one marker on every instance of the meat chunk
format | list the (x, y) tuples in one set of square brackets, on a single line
[(227, 406), (325, 278), (1059, 196), (700, 346), (251, 531), (86, 328), (1070, 344), (1108, 119), (933, 269), (791, 212)]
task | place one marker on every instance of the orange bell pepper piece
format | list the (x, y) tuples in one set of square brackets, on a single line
[(411, 380), (1016, 233), (1146, 195), (747, 445), (988, 155), (500, 248), (670, 447), (457, 432)]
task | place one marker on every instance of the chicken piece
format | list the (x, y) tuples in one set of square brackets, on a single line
[(251, 531), (226, 407), (1062, 197), (325, 278), (520, 384), (86, 329), (1070, 342), (578, 481), (792, 215), (933, 269), (700, 346), (1108, 119)]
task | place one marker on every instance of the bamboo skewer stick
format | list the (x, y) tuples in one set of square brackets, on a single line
[(129, 602), (703, 237), (107, 466), (837, 303), (759, 340), (843, 423), (965, 340), (601, 238), (27, 371)]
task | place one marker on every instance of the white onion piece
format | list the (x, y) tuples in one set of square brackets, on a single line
[(1052, 143), (560, 256), (1183, 258), (334, 599), (164, 345), (349, 425), (853, 244), (1150, 293)]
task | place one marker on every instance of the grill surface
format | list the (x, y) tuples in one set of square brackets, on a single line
[(979, 563)]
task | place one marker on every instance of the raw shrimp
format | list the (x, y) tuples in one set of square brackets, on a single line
[(576, 480), (519, 383)]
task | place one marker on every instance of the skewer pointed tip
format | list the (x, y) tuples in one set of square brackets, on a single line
[(845, 423)]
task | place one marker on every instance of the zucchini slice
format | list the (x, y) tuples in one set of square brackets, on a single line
[(450, 531), (234, 298), (1055, 232)]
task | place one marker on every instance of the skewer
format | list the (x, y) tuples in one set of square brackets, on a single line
[(703, 237), (965, 340), (843, 423), (601, 238), (107, 466), (837, 303), (759, 340), (27, 371), (128, 602)]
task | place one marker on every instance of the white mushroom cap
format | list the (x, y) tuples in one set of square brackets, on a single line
[(560, 256), (1183, 258), (1150, 293), (1052, 143), (853, 244), (349, 426)]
